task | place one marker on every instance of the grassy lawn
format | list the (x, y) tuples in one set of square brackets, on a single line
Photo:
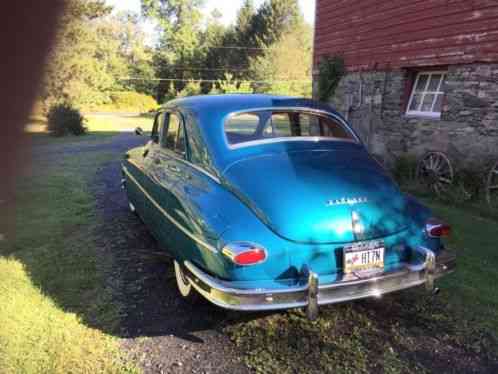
[(472, 289), (101, 123), (55, 302), (408, 332)]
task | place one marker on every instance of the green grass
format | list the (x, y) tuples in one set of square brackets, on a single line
[(408, 332), (56, 314), (118, 123), (473, 288), (100, 123)]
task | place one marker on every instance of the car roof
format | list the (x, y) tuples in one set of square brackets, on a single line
[(226, 104), (210, 112)]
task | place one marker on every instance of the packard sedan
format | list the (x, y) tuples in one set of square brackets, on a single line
[(269, 202)]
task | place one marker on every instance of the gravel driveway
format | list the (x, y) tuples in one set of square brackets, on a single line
[(163, 333)]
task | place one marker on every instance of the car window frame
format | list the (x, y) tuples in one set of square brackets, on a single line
[(269, 111), (185, 155), (155, 135)]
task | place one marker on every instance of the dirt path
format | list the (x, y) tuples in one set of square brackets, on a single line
[(163, 333)]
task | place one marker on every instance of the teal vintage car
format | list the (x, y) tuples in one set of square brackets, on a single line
[(269, 202)]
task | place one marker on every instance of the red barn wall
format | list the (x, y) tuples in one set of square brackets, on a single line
[(393, 34)]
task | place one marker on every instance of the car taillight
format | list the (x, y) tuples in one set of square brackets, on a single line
[(437, 229), (245, 254)]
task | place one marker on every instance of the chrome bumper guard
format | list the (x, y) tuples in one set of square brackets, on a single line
[(312, 294)]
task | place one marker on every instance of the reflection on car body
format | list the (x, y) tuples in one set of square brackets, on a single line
[(269, 202)]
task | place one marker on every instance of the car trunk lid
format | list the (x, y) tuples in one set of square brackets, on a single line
[(311, 196)]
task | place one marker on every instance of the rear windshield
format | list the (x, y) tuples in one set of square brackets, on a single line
[(284, 125)]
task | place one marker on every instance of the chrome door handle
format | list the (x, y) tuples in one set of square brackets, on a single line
[(176, 169)]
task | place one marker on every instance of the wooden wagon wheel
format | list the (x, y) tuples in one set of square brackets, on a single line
[(492, 186), (435, 170)]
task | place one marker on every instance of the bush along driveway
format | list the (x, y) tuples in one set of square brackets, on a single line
[(101, 276)]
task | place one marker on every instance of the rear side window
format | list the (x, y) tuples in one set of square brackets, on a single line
[(284, 125), (174, 137), (242, 128)]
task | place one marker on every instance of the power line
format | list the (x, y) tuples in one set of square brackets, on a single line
[(210, 80), (240, 47), (210, 69)]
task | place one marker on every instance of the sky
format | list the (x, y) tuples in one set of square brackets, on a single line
[(228, 8)]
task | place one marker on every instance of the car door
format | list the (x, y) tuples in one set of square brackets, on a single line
[(157, 182), (170, 163)]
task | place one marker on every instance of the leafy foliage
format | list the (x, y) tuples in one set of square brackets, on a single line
[(126, 101), (287, 63), (332, 70), (191, 89), (64, 119), (81, 64), (231, 86), (99, 52)]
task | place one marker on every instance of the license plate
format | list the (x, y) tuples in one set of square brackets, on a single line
[(364, 257)]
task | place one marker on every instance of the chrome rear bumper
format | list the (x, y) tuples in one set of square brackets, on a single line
[(312, 294)]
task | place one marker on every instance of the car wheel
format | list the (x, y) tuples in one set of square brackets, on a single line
[(184, 287)]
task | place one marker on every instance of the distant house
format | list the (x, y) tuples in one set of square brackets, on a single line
[(421, 74)]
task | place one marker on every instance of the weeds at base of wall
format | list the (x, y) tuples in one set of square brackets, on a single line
[(467, 190)]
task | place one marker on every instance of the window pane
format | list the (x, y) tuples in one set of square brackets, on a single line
[(279, 125), (241, 128), (173, 127), (427, 104), (415, 104), (289, 124), (422, 82), (158, 128), (438, 106), (180, 141), (434, 83)]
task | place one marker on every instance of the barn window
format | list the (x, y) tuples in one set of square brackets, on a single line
[(427, 95)]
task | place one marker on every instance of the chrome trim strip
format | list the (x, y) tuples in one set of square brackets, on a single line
[(174, 221), (313, 139), (223, 294)]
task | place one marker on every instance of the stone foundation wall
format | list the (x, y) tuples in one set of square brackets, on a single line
[(375, 104)]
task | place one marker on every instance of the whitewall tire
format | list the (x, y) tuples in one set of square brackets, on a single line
[(186, 290)]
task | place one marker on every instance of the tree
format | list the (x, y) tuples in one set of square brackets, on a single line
[(137, 55), (287, 63), (85, 62), (230, 85), (274, 19), (179, 26)]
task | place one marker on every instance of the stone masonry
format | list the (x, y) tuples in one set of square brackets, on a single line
[(375, 104)]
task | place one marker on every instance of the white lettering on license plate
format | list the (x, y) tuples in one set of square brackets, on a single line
[(361, 257)]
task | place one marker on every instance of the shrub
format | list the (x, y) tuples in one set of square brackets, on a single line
[(232, 86), (405, 169), (131, 101), (192, 88), (64, 119), (331, 71)]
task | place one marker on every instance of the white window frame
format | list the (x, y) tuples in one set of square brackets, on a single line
[(438, 92)]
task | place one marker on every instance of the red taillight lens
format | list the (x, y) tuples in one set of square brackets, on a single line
[(252, 257), (437, 229), (245, 254)]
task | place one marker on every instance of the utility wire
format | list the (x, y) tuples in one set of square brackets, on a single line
[(240, 48), (209, 69), (209, 80)]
